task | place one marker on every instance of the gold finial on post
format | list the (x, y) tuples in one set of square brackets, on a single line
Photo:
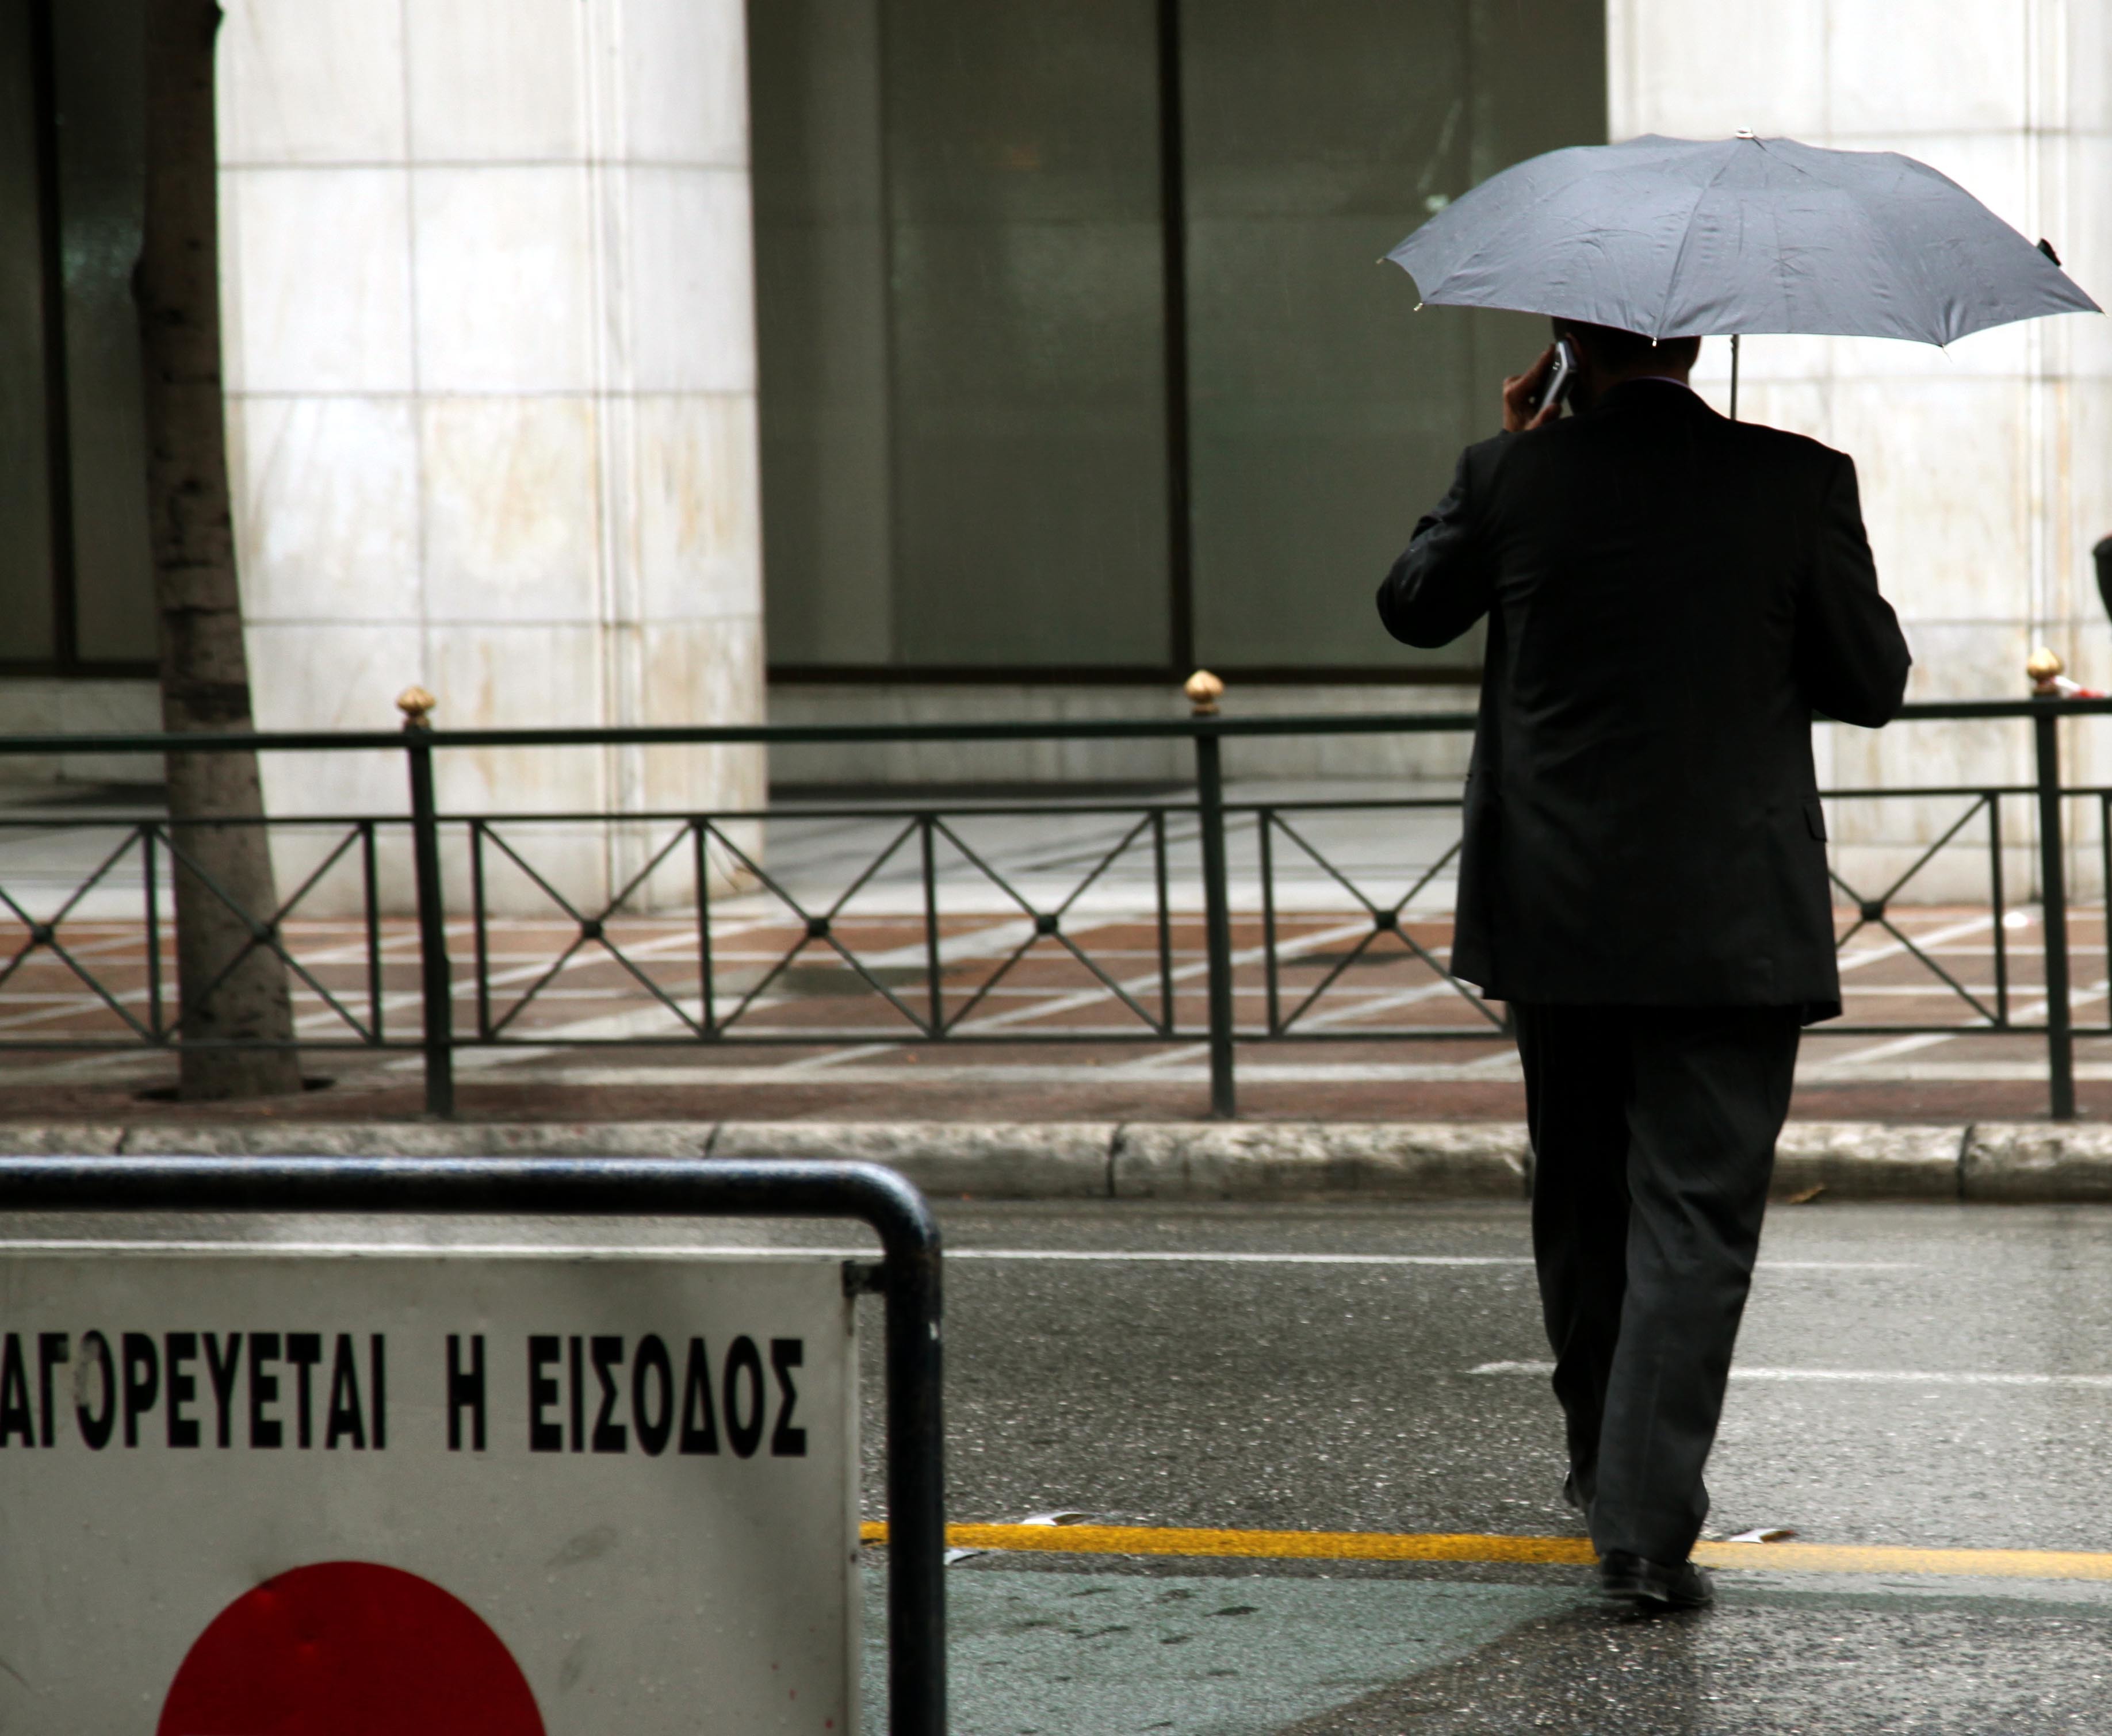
[(1203, 690), (2044, 667), (417, 705)]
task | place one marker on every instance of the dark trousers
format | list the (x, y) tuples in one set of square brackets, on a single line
[(1654, 1135)]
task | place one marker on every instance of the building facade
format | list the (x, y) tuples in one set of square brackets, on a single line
[(601, 361)]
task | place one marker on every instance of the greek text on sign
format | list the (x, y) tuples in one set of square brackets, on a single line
[(438, 1495)]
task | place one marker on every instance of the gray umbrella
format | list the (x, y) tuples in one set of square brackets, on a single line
[(1675, 238)]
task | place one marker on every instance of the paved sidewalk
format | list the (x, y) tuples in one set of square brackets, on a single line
[(1048, 967)]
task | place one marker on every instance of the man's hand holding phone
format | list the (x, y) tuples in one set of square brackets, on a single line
[(1534, 398)]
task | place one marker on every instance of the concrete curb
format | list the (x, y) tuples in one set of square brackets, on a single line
[(1322, 1160), (1992, 1162), (1056, 1160), (1858, 1160), (2023, 1161)]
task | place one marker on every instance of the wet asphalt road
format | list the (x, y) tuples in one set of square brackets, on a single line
[(1918, 1375), (1332, 1383), (1289, 1390)]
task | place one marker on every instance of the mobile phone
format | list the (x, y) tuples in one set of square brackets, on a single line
[(1561, 375)]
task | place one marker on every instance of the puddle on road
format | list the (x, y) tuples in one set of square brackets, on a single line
[(1067, 1654), (1037, 1653)]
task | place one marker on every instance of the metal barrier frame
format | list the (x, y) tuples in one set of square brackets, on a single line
[(1207, 732), (908, 1278)]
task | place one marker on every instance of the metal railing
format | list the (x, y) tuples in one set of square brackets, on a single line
[(1155, 1005)]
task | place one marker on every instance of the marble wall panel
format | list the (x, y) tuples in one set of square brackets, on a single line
[(2081, 70), (327, 512), (2002, 352), (698, 543), (685, 82), (505, 277), (510, 488), (1954, 878), (317, 290), (321, 81), (1944, 753), (1943, 472), (695, 672), (2085, 246), (1795, 405), (460, 237), (508, 675), (497, 80), (1914, 67), (1968, 660), (1764, 359), (1703, 72), (692, 299), (334, 675), (701, 672)]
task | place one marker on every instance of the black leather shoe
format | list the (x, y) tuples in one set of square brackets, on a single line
[(1649, 1585)]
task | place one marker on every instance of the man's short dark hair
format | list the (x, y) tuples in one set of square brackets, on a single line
[(1619, 351)]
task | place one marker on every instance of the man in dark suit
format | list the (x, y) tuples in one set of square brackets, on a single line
[(1670, 596)]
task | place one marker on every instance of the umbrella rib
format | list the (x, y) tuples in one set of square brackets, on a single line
[(1679, 259)]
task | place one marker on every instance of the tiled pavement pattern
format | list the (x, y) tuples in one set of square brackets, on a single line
[(1041, 1025)]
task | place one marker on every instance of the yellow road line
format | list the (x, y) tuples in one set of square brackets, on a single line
[(1385, 1546)]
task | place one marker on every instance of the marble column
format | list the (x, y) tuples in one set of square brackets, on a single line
[(1983, 481), (491, 370)]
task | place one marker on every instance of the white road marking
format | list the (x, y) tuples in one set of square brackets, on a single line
[(1859, 1376), (267, 1244), (909, 1073), (1143, 985), (1897, 1046), (1225, 1258), (1178, 1258), (1934, 938)]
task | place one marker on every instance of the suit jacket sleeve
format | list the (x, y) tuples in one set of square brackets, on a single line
[(1445, 581), (1851, 657)]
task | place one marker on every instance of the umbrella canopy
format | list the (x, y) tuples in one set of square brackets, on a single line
[(1677, 238)]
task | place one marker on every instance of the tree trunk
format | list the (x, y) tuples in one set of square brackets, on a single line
[(232, 985)]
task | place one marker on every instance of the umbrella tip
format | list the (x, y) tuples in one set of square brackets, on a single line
[(1746, 132)]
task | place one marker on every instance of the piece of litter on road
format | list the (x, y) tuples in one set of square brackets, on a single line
[(1805, 1196), (1054, 1517), (1763, 1534)]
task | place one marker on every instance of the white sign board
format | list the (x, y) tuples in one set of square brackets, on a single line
[(426, 1495)]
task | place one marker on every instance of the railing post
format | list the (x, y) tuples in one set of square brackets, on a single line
[(436, 977), (1203, 690), (2053, 893)]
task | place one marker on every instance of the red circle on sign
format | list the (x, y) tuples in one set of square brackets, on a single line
[(349, 1649)]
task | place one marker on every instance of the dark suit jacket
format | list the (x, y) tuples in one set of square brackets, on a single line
[(1670, 596)]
